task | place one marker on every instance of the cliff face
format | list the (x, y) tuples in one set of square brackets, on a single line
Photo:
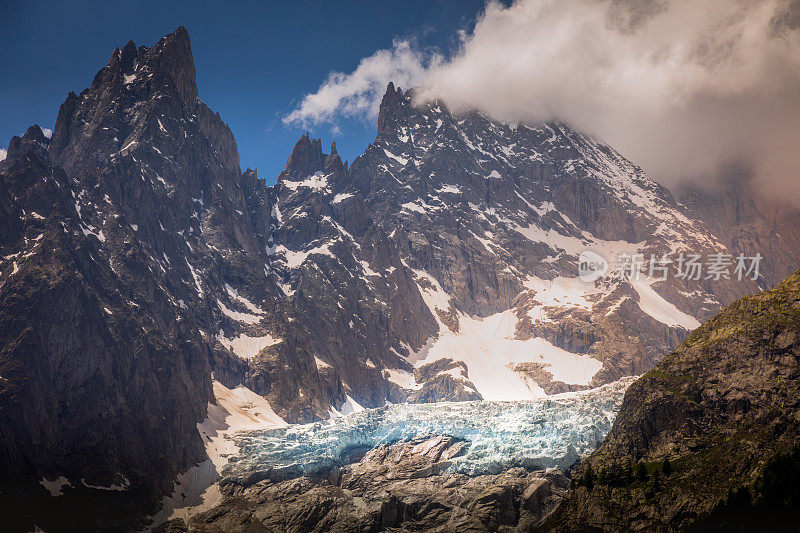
[(749, 222), (720, 410), (103, 381), (92, 389)]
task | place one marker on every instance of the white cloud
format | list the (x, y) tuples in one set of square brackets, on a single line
[(47, 133), (3, 154), (677, 85), (359, 93)]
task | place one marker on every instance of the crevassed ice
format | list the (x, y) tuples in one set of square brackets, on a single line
[(551, 432)]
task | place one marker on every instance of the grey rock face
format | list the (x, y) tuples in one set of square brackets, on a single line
[(749, 222), (133, 250), (89, 385)]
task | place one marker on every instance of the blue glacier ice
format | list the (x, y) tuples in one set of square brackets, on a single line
[(550, 432)]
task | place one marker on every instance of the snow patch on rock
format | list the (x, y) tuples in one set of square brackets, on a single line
[(341, 197), (318, 182), (245, 318), (246, 346), (657, 307), (55, 486)]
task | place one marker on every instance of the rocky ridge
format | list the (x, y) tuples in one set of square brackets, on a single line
[(723, 411)]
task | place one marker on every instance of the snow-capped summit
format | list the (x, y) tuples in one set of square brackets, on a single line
[(490, 219), (443, 264)]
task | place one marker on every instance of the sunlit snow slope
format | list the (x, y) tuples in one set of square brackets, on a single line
[(235, 410)]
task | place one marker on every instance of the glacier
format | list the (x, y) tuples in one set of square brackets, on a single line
[(543, 433)]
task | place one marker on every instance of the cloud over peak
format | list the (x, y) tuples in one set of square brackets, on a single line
[(359, 92), (679, 86)]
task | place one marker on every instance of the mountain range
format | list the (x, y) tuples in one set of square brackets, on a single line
[(141, 271)]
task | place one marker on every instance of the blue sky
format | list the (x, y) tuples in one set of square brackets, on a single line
[(254, 60)]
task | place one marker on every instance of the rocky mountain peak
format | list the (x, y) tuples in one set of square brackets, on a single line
[(61, 132), (139, 217), (306, 158), (34, 141), (35, 134), (528, 200), (127, 57), (173, 54), (170, 58), (333, 163), (144, 100), (391, 108)]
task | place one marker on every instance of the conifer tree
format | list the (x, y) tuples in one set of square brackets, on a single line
[(667, 467), (588, 477), (641, 472)]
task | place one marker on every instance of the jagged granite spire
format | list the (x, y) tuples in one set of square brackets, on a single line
[(34, 141), (173, 54), (306, 157), (391, 109), (333, 163), (126, 106)]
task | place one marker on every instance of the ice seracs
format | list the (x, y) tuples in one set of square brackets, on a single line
[(541, 433)]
